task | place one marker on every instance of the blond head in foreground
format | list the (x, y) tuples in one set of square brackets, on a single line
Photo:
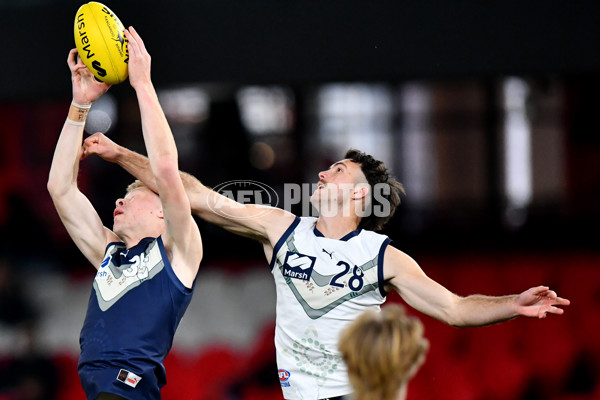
[(383, 351)]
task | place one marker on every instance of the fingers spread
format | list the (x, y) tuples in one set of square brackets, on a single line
[(562, 302), (556, 310)]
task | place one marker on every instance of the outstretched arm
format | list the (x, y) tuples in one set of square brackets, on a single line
[(76, 212), (247, 220), (429, 297), (182, 237)]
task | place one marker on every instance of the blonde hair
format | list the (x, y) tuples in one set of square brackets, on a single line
[(137, 184), (383, 351)]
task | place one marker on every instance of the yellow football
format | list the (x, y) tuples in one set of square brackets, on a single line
[(101, 43)]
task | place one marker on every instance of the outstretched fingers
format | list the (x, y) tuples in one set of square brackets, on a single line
[(135, 44), (132, 45), (562, 302), (552, 310), (139, 59), (552, 306), (539, 301), (138, 40)]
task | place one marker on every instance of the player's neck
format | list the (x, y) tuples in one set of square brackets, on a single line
[(337, 227), (131, 239)]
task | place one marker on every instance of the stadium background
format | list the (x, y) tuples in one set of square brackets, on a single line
[(486, 111)]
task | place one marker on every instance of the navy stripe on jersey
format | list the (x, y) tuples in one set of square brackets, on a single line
[(380, 267), (282, 240)]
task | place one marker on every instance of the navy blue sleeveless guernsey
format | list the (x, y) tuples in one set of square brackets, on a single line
[(135, 307)]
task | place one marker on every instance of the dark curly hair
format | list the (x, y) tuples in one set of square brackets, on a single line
[(377, 173)]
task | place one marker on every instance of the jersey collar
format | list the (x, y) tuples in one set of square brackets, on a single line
[(345, 238)]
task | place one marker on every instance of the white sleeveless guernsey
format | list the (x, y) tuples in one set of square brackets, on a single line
[(322, 286)]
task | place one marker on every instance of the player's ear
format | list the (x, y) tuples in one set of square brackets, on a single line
[(360, 191)]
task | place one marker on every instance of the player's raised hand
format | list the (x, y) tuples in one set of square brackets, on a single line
[(539, 301), (86, 89), (101, 145), (139, 59)]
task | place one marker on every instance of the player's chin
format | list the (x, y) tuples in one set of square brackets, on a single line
[(117, 229), (315, 197)]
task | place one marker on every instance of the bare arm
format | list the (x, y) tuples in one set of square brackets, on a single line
[(265, 224), (76, 212), (182, 237), (429, 297)]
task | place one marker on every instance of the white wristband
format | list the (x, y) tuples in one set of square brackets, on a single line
[(68, 121), (88, 106)]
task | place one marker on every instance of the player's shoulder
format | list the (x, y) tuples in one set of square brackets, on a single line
[(368, 234), (307, 222), (277, 219), (277, 223), (369, 239), (396, 259)]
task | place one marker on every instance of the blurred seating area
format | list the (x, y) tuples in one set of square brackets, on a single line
[(224, 348), (555, 358)]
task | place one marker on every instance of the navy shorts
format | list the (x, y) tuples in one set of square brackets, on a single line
[(96, 380)]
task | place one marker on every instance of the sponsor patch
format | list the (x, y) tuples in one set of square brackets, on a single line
[(128, 378), (298, 266), (284, 377)]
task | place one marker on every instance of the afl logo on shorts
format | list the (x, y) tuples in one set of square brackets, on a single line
[(284, 377)]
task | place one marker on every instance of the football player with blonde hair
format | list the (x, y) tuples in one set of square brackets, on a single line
[(146, 264), (383, 351)]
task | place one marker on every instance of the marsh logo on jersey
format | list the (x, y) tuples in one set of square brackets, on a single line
[(298, 266)]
